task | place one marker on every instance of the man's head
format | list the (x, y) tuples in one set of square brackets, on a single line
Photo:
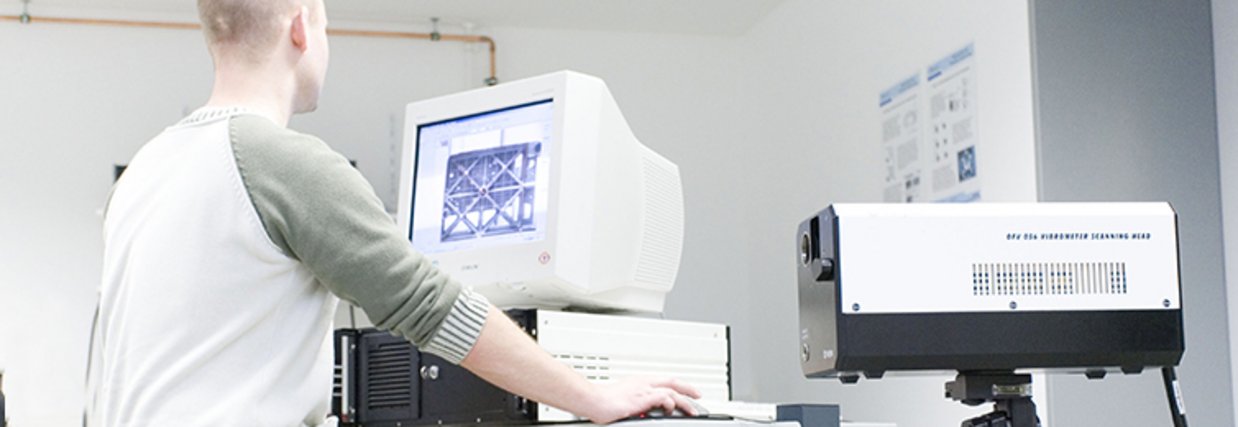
[(284, 37)]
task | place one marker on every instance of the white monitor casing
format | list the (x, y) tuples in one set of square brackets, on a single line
[(614, 223)]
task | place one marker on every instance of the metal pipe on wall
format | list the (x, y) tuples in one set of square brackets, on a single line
[(490, 81)]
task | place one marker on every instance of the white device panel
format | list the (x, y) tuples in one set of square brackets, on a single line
[(1003, 257), (606, 348)]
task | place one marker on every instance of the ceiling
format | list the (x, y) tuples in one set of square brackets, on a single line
[(704, 17)]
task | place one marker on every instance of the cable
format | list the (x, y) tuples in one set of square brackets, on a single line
[(352, 315), (90, 357), (1177, 409)]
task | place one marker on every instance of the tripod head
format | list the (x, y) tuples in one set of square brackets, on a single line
[(1010, 393)]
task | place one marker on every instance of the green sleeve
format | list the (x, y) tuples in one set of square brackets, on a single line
[(319, 210)]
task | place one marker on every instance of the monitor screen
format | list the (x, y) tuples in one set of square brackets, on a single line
[(482, 180)]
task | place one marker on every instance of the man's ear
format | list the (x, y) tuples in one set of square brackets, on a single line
[(300, 29)]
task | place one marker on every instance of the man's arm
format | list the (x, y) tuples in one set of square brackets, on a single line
[(318, 209), (506, 357)]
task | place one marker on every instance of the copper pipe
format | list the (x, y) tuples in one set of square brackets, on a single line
[(109, 22), (494, 74), (427, 36), (348, 33)]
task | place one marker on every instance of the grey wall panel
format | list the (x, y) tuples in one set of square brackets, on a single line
[(1126, 111)]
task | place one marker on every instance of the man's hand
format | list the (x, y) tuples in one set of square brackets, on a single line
[(616, 401)]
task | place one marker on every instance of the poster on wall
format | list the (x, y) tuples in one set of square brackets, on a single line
[(953, 125), (929, 133), (900, 141)]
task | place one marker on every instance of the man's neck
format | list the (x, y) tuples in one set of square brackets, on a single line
[(252, 89)]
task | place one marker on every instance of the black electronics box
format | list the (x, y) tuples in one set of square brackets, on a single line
[(383, 380)]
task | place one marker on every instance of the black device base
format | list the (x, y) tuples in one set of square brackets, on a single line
[(810, 415)]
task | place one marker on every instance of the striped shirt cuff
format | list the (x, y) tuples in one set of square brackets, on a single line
[(455, 338)]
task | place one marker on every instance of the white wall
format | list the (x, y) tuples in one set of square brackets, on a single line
[(814, 71), (1225, 47)]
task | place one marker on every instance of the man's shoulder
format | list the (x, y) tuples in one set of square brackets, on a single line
[(259, 133), (267, 153)]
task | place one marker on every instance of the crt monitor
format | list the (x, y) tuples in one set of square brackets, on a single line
[(537, 194)]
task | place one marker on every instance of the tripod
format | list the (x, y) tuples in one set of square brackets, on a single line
[(1010, 393)]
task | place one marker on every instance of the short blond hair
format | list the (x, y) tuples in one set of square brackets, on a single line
[(248, 27)]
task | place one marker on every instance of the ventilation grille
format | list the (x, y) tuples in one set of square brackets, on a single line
[(1051, 278), (594, 368), (337, 382), (662, 234), (389, 380)]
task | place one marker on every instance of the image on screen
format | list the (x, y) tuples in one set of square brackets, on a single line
[(481, 180), (490, 192)]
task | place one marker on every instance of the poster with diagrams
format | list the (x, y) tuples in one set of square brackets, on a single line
[(929, 133), (901, 142)]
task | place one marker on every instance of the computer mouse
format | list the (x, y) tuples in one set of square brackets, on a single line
[(701, 411), (661, 413)]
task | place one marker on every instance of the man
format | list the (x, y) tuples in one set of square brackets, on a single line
[(229, 237)]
